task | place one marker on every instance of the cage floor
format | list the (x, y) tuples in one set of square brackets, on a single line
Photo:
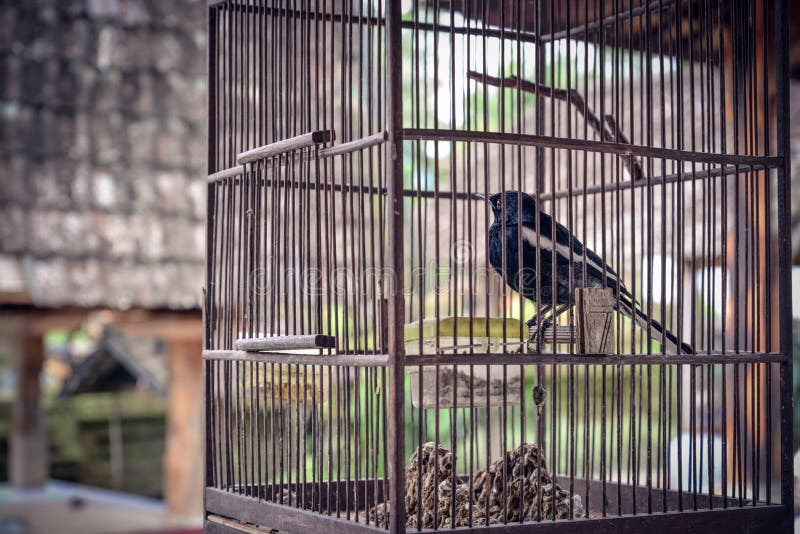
[(339, 497)]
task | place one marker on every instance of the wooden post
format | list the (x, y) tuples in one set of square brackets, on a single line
[(28, 461), (183, 469), (594, 320), (116, 445)]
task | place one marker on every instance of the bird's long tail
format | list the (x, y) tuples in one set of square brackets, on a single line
[(628, 307)]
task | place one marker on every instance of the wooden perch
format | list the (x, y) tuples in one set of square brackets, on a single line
[(352, 146), (572, 96), (299, 142), (620, 135), (551, 335), (232, 172), (278, 343), (285, 145)]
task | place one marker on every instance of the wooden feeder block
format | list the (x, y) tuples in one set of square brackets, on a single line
[(593, 332), (594, 320)]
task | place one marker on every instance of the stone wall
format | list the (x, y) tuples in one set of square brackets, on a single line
[(102, 151)]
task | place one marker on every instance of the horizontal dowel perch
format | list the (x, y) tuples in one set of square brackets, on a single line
[(328, 152), (352, 146), (275, 343), (554, 334), (285, 145), (227, 173)]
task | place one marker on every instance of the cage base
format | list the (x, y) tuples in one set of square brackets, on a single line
[(637, 509)]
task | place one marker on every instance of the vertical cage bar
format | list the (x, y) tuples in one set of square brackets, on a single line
[(208, 429), (394, 183), (784, 251)]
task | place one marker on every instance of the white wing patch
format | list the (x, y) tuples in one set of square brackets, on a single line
[(562, 250)]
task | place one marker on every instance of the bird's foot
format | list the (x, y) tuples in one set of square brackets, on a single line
[(532, 331), (542, 326), (533, 321)]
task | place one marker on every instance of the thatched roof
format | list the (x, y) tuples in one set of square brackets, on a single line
[(102, 197), (118, 364)]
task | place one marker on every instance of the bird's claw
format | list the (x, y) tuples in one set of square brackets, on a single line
[(543, 325)]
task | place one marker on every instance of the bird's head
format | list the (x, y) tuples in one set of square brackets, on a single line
[(513, 206)]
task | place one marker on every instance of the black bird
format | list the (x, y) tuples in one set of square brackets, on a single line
[(521, 214)]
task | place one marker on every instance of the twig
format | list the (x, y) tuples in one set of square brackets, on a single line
[(631, 162), (572, 96)]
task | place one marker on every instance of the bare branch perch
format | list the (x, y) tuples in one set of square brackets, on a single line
[(572, 96), (631, 162)]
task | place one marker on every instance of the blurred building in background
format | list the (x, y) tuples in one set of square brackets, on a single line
[(102, 196)]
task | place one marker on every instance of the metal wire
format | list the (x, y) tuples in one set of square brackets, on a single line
[(654, 132)]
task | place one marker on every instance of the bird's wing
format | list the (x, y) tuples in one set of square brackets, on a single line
[(525, 280), (595, 265)]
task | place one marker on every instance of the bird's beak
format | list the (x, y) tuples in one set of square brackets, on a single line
[(480, 196)]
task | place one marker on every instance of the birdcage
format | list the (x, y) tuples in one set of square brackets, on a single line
[(397, 338)]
